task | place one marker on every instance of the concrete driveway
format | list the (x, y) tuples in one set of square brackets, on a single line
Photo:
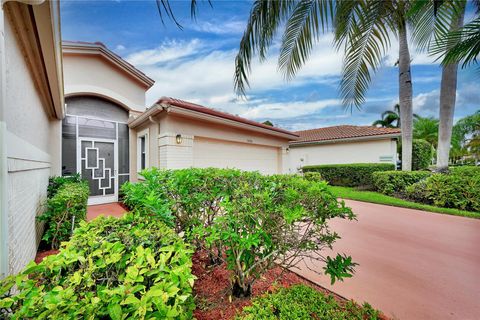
[(413, 264)]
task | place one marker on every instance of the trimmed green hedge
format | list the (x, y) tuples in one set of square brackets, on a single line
[(134, 267), (302, 302), (395, 182), (421, 154), (64, 211), (349, 175), (459, 189), (55, 183)]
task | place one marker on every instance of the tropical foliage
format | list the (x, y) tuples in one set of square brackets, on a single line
[(65, 209), (389, 118), (459, 188), (350, 175), (129, 268), (302, 302), (246, 219), (423, 154), (396, 182), (426, 129)]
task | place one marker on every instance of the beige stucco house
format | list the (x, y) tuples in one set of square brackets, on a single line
[(343, 144), (31, 109)]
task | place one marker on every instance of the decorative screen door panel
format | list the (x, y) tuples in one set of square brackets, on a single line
[(99, 168)]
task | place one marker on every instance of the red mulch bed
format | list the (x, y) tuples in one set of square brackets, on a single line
[(43, 254), (212, 288)]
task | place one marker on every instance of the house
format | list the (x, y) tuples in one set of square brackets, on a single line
[(175, 134), (31, 109), (80, 108), (343, 144)]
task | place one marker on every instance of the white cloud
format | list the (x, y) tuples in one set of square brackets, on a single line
[(120, 47), (166, 52), (286, 110), (221, 28)]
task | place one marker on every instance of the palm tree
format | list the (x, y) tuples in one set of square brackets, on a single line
[(426, 129), (362, 30), (390, 119)]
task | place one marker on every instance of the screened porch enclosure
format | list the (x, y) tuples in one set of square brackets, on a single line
[(95, 147)]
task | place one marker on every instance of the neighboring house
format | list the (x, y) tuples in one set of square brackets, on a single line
[(343, 144), (31, 106)]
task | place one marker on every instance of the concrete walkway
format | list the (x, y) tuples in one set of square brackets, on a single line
[(109, 209), (413, 264)]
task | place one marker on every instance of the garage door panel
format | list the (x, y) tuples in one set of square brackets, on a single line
[(227, 154)]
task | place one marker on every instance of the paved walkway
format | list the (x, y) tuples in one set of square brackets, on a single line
[(109, 209), (413, 264)]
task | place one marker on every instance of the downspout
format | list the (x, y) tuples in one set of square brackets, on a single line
[(4, 263)]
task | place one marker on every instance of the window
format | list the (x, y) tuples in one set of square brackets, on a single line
[(142, 150)]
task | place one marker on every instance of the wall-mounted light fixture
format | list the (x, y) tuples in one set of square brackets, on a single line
[(287, 150), (178, 139)]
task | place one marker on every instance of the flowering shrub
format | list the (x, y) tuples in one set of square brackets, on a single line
[(250, 220), (134, 267)]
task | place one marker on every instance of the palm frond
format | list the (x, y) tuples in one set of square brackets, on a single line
[(366, 39), (164, 5), (265, 18), (307, 22)]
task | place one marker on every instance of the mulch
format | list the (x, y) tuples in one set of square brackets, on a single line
[(212, 289)]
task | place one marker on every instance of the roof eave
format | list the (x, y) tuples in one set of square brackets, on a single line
[(93, 48), (171, 109), (331, 141)]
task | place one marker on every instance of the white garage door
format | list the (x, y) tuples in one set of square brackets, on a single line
[(227, 154)]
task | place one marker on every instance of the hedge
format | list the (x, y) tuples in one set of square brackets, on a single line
[(349, 175), (64, 211), (459, 189), (421, 154), (247, 220), (134, 267), (395, 182), (303, 302)]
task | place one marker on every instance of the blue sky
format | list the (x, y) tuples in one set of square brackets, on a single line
[(197, 63)]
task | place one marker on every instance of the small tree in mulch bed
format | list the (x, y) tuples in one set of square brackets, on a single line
[(249, 220)]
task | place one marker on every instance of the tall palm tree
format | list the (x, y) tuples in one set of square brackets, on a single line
[(390, 118), (362, 30), (436, 21)]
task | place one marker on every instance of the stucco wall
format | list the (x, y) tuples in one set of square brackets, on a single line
[(341, 152), (166, 153), (91, 74), (33, 153)]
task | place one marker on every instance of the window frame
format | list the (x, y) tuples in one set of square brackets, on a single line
[(143, 134)]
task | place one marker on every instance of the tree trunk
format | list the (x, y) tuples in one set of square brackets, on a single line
[(405, 97), (448, 91)]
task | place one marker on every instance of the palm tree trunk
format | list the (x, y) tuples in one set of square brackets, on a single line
[(405, 97), (448, 91)]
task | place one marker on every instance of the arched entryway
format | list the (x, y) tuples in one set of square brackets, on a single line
[(95, 144)]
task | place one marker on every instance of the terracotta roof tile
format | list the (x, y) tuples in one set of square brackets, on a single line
[(196, 107), (342, 132)]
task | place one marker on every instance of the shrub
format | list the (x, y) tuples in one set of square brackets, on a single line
[(134, 267), (302, 302), (54, 183), (64, 211), (459, 188), (248, 219), (422, 153), (395, 182), (313, 176), (349, 175)]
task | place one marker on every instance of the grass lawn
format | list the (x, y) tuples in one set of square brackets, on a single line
[(375, 197)]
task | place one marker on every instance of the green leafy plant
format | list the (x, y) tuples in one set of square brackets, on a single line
[(64, 211), (303, 302), (55, 183), (395, 182), (350, 175), (459, 188), (130, 268), (250, 220), (422, 154), (313, 176)]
